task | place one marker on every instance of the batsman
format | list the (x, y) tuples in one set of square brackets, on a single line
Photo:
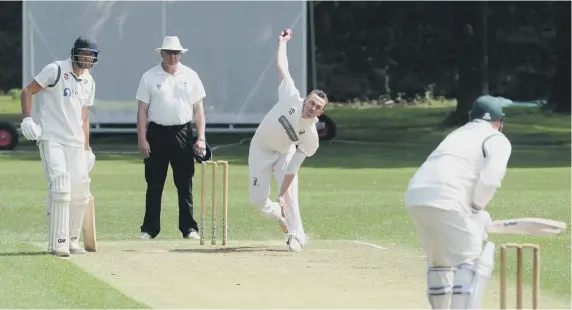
[(60, 126), (446, 197), (284, 139)]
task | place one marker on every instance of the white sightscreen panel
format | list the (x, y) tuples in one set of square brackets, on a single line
[(232, 46)]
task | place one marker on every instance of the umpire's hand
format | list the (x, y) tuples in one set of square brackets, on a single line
[(200, 146), (144, 148)]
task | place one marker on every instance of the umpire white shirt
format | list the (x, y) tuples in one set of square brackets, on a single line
[(171, 98)]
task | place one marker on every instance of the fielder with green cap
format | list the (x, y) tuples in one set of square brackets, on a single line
[(446, 199)]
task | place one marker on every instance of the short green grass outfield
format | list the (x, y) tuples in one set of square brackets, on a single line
[(347, 191)]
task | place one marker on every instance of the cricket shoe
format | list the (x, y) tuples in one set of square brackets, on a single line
[(193, 235), (60, 253), (77, 250), (293, 244), (144, 236)]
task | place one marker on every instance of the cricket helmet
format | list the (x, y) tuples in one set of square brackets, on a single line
[(487, 108), (85, 44)]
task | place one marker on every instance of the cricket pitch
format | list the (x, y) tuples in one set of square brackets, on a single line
[(257, 274)]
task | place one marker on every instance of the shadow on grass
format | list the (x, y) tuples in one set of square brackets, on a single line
[(356, 156), (526, 126), (385, 133), (228, 250), (25, 253), (344, 156)]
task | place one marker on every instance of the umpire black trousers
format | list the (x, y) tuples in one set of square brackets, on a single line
[(169, 145)]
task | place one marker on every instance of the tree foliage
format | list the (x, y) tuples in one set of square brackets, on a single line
[(375, 49)]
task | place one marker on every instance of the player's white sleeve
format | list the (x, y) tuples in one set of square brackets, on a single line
[(295, 162), (497, 150), (143, 93), (308, 146), (287, 88), (197, 89), (90, 102), (309, 142), (48, 75)]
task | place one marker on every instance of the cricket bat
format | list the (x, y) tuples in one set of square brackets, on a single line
[(89, 239), (527, 226)]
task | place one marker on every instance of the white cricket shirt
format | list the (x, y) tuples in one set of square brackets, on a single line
[(58, 109), (283, 126), (473, 154), (171, 98)]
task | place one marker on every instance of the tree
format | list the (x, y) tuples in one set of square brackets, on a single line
[(470, 37), (559, 99), (10, 45)]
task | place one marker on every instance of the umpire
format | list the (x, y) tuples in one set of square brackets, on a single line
[(169, 96)]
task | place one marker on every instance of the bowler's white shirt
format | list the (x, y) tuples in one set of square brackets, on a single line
[(171, 98), (449, 177), (58, 109), (283, 127)]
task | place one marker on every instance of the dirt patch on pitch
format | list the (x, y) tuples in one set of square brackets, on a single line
[(327, 274)]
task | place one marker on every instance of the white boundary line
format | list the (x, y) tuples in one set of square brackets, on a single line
[(373, 245), (218, 147)]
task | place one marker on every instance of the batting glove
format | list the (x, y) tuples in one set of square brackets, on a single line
[(30, 129), (483, 220), (90, 158)]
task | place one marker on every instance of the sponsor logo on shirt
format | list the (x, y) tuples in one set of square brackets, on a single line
[(288, 128), (68, 92)]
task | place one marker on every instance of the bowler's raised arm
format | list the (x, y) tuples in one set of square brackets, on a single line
[(282, 57)]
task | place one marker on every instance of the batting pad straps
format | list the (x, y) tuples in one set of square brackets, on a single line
[(440, 286), (60, 188), (463, 288)]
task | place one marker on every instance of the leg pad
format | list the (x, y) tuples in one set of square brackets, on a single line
[(80, 198), (440, 286), (59, 210)]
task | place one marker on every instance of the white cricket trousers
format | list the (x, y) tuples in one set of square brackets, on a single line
[(449, 238), (453, 243), (262, 163), (68, 193)]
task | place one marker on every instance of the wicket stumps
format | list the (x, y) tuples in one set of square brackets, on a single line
[(519, 274), (202, 228)]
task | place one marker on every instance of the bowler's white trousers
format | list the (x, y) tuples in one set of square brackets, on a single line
[(262, 163), (68, 192)]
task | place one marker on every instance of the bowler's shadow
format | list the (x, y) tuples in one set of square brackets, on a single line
[(25, 253), (238, 249)]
